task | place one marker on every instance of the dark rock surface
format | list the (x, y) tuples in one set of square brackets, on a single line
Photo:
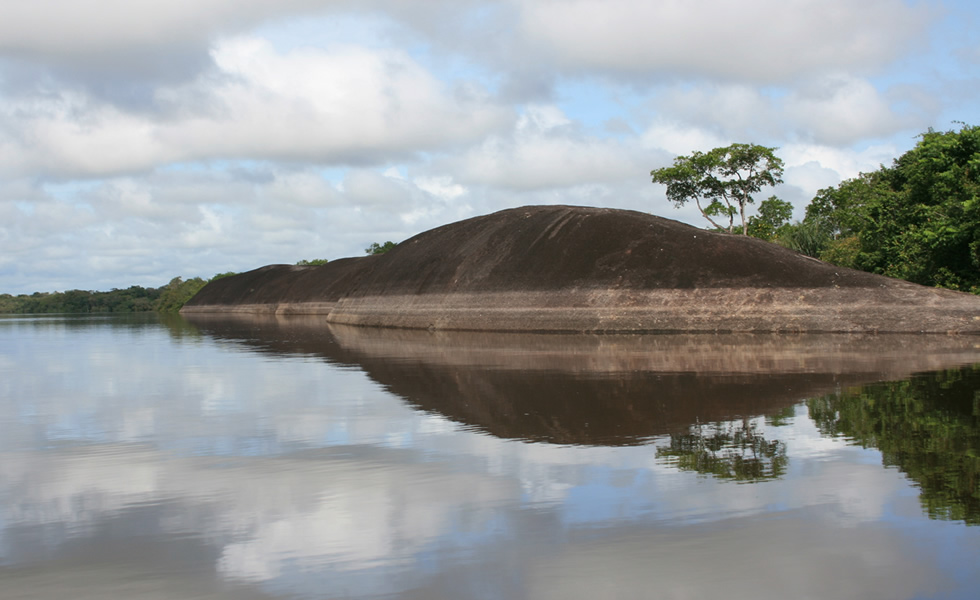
[(544, 248), (562, 268)]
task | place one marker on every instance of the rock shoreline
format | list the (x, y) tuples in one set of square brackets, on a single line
[(565, 269)]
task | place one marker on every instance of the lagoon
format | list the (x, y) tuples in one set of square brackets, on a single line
[(159, 457)]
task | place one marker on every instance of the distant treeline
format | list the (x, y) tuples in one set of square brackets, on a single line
[(168, 298)]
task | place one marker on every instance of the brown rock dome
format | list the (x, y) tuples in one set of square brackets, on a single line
[(560, 247), (563, 268)]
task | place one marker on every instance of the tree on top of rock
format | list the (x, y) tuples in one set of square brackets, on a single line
[(725, 178), (376, 248)]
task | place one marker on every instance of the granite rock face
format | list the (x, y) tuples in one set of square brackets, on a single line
[(578, 269)]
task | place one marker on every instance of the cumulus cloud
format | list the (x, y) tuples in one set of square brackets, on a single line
[(82, 29), (196, 221), (545, 150), (845, 162), (831, 109), (343, 105), (736, 109), (680, 138), (762, 41), (840, 109)]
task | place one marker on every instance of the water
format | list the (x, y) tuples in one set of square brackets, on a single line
[(282, 458)]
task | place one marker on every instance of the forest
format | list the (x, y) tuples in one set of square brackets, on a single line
[(918, 219), (168, 298)]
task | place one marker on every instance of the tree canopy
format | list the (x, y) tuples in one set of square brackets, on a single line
[(918, 220), (774, 215), (376, 248), (132, 299), (168, 298), (725, 178)]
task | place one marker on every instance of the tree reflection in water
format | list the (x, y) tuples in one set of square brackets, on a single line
[(734, 450), (927, 426)]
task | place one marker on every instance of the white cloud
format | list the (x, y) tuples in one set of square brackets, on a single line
[(740, 109), (440, 187), (52, 28), (841, 109), (832, 110), (846, 162), (678, 139), (759, 41), (300, 188), (544, 150), (197, 221), (343, 105), (370, 189)]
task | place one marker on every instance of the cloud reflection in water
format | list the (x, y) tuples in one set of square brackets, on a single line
[(258, 457)]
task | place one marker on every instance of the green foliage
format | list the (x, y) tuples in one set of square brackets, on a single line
[(311, 263), (177, 293), (843, 252), (774, 215), (8, 304), (169, 298), (222, 275), (928, 427), (132, 299), (917, 220), (810, 236), (377, 248), (726, 178), (843, 210)]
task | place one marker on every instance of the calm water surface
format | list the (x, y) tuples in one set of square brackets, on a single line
[(282, 458)]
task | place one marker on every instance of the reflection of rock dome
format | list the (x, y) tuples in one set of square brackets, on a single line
[(560, 268), (596, 389)]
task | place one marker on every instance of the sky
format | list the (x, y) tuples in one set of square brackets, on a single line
[(144, 140)]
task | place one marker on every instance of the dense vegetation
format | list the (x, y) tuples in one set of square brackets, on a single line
[(376, 248), (917, 220), (133, 299), (168, 298)]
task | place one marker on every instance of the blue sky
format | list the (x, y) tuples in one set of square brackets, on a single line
[(141, 140)]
